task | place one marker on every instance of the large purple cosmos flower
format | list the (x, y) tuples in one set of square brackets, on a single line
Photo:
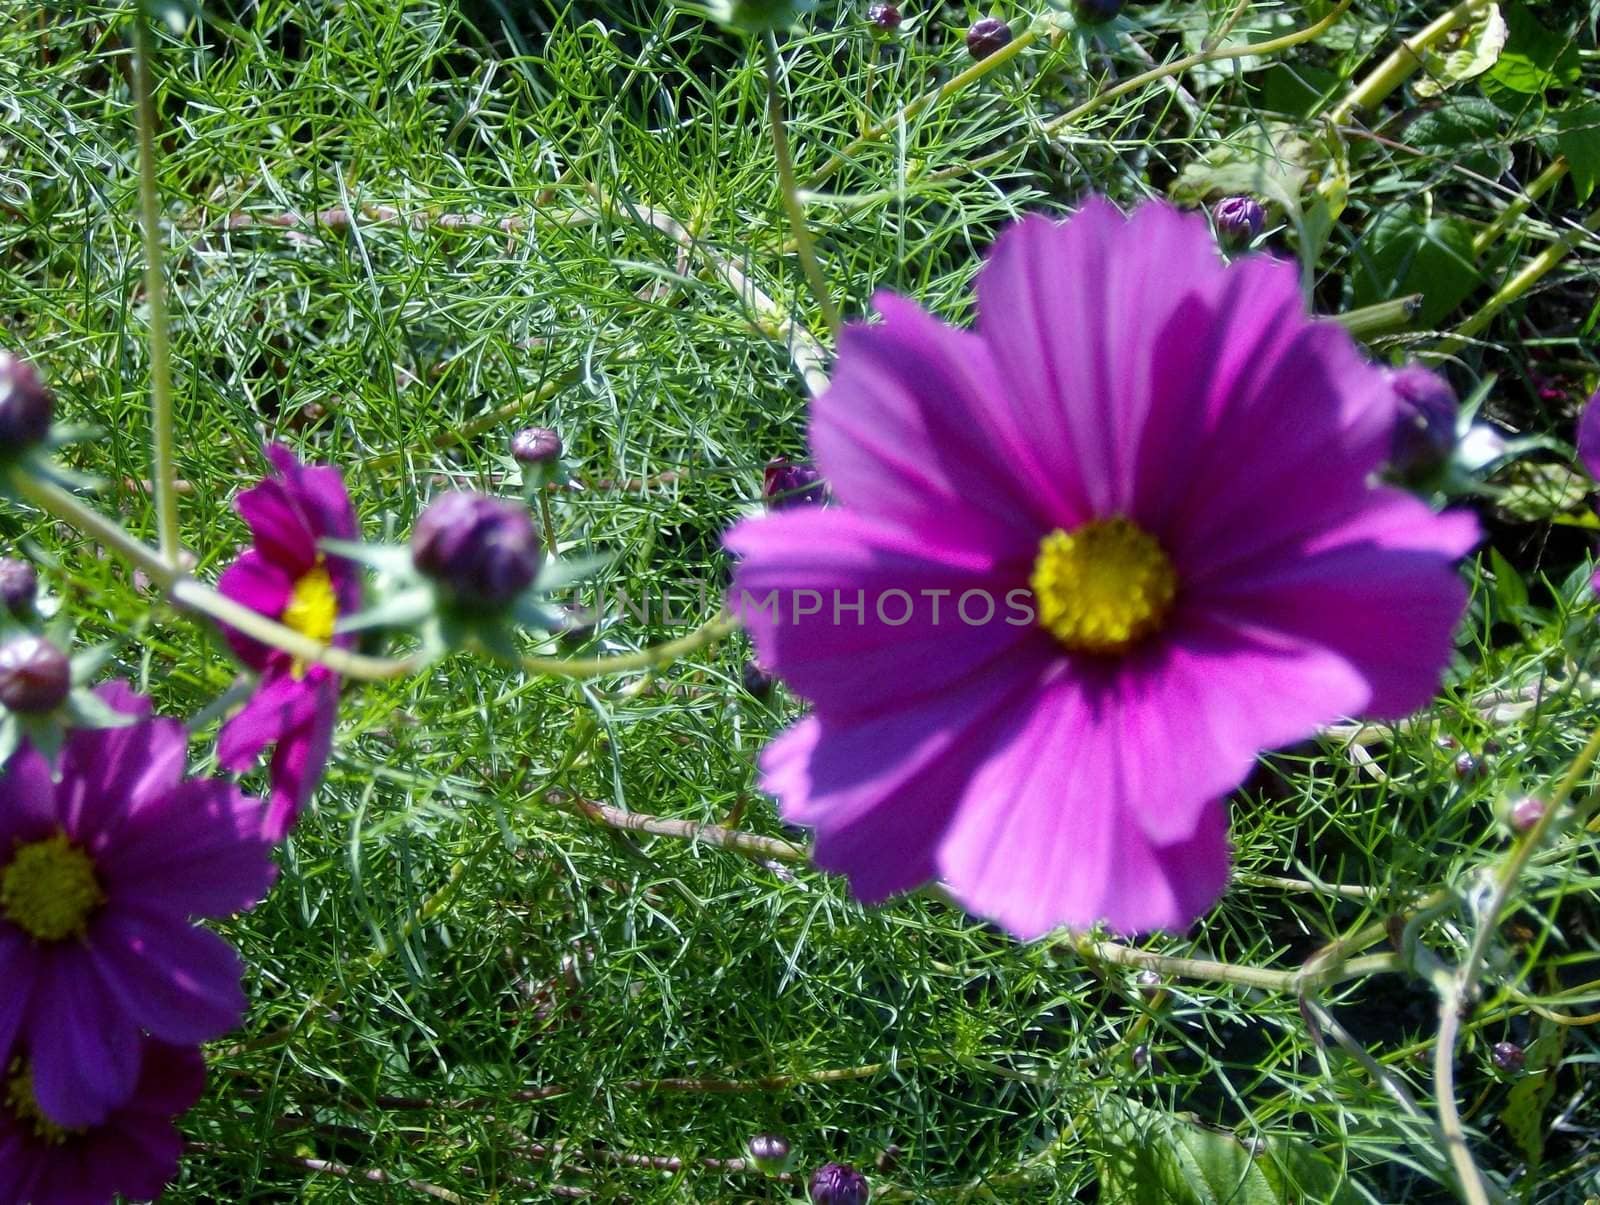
[(133, 1153), (102, 873), (287, 577), (1091, 559)]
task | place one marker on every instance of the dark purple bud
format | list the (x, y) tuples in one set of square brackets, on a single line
[(536, 445), (987, 35), (838, 1184), (1096, 12), (769, 1152), (1508, 1056), (26, 406), (1468, 768), (883, 17), (578, 625), (1149, 984), (1527, 812), (35, 675), (19, 586), (1140, 1057), (1447, 743), (484, 550), (756, 680), (1238, 219), (786, 484), (1425, 421), (888, 1159)]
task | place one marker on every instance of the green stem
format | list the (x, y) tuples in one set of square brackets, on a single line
[(165, 473), (1537, 187), (547, 519), (1402, 64), (790, 188), (1385, 318), (1531, 273), (1243, 976), (704, 636)]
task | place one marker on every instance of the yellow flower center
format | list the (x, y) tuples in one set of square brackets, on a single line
[(1104, 587), (49, 890), (313, 606), (24, 1106), (312, 611)]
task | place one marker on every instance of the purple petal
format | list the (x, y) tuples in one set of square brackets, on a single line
[(1073, 314), (279, 527), (17, 971), (1381, 591), (263, 586), (110, 774), (28, 804), (281, 704), (1039, 840), (881, 792), (849, 665), (197, 853), (298, 763), (1589, 436), (84, 1048), (180, 982), (912, 431)]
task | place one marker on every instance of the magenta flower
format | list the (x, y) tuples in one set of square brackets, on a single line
[(1091, 559), (133, 1153), (287, 577), (102, 873), (1589, 436)]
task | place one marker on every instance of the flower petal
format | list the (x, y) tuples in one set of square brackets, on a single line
[(279, 526), (83, 1047), (1072, 314), (850, 663), (911, 430), (1040, 839), (299, 761), (282, 704), (199, 852), (180, 982), (110, 774), (1589, 435)]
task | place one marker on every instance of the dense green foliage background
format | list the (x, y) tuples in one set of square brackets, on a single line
[(399, 230)]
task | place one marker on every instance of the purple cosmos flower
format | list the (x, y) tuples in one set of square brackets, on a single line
[(1106, 549), (1589, 436), (284, 575), (102, 872), (133, 1153)]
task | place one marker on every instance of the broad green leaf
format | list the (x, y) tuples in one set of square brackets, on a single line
[(1151, 1157), (1403, 253), (1466, 130), (1509, 589), (1523, 1114), (1535, 59), (1276, 164), (1467, 54), (1578, 138)]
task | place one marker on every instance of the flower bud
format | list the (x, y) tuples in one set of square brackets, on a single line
[(1096, 12), (1149, 984), (1526, 813), (838, 1184), (888, 1158), (484, 550), (35, 676), (1425, 421), (987, 35), (1238, 219), (19, 586), (1468, 768), (883, 17), (785, 484), (1139, 1056), (1508, 1056), (536, 445), (756, 680), (26, 406), (769, 1152)]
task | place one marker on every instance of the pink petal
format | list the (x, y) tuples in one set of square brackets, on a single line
[(1589, 435), (1072, 314), (281, 704), (797, 558), (910, 430), (279, 527), (299, 762), (1040, 839)]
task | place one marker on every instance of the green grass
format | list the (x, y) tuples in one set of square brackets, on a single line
[(461, 983)]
